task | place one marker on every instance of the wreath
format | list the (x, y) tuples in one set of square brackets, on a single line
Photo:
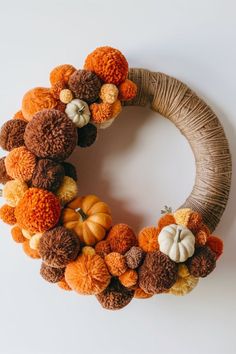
[(73, 235)]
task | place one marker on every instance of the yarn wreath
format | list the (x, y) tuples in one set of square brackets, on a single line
[(79, 246)]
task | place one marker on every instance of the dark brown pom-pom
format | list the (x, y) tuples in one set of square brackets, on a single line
[(115, 296), (58, 247), (202, 263), (48, 175), (134, 257), (157, 273), (103, 248), (12, 134), (87, 135), (50, 274), (70, 170), (85, 85), (4, 178), (51, 134)]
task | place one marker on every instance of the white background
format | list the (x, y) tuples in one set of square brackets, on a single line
[(138, 166)]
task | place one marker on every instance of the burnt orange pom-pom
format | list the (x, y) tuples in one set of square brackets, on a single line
[(129, 278), (109, 64), (35, 100), (61, 74), (121, 238), (164, 221), (140, 294), (202, 235), (57, 88), (127, 90), (38, 210), (100, 112), (20, 164), (7, 214), (116, 109), (63, 285), (115, 263), (216, 245), (17, 235), (147, 239), (194, 222), (103, 248), (29, 251), (19, 115)]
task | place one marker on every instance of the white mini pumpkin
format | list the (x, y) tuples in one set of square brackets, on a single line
[(78, 111), (177, 242)]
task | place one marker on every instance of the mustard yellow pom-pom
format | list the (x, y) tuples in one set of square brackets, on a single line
[(66, 96), (109, 93), (13, 191), (67, 191), (185, 282), (88, 250), (182, 216), (129, 278), (27, 234)]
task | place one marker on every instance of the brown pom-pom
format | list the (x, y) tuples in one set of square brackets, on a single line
[(48, 175), (100, 112), (115, 296), (140, 294), (85, 85), (127, 90), (202, 263), (147, 239), (157, 273), (7, 214), (202, 235), (29, 251), (63, 285), (87, 135), (121, 238), (194, 222), (115, 263), (103, 248), (58, 247), (4, 177), (70, 170), (216, 245), (134, 257), (20, 164), (61, 73), (17, 235), (129, 278), (51, 134), (50, 274), (12, 134)]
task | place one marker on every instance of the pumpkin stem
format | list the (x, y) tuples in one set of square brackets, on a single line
[(166, 210), (82, 213), (178, 235), (81, 109)]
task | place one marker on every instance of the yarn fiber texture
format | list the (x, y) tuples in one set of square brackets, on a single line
[(134, 257), (12, 134), (202, 263), (4, 177), (87, 135), (121, 238), (50, 274), (20, 164), (48, 175), (85, 85)]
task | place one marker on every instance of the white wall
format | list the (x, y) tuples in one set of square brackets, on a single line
[(138, 165)]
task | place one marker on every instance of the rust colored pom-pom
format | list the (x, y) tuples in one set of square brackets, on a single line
[(115, 296), (87, 135), (56, 89), (30, 252), (115, 263), (202, 263), (61, 73), (47, 175), (58, 247), (100, 112), (70, 170), (140, 294), (17, 235), (12, 134), (50, 274), (127, 90), (202, 235), (216, 245), (19, 115), (134, 257), (88, 275), (36, 100), (20, 164), (63, 285), (109, 64), (194, 222), (7, 214), (147, 239), (129, 278), (38, 210), (4, 177), (51, 134), (103, 248), (121, 238), (85, 85), (157, 273)]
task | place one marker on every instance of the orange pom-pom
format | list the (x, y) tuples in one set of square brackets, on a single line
[(103, 248), (63, 285), (19, 115), (129, 278), (37, 99), (61, 74), (194, 222), (202, 235), (38, 210), (100, 112), (116, 263), (147, 239), (121, 238), (29, 251), (20, 164), (17, 235), (216, 245), (57, 88), (164, 221), (140, 294), (7, 214), (109, 64), (116, 109), (127, 90)]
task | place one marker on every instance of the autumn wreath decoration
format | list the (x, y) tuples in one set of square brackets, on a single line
[(73, 235)]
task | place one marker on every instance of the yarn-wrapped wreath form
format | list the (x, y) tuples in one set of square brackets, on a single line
[(73, 235)]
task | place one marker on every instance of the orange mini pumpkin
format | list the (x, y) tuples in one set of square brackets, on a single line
[(88, 217)]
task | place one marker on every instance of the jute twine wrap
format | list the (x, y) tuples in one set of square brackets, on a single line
[(198, 123)]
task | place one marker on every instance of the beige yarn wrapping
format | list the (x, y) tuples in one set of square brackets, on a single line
[(198, 123)]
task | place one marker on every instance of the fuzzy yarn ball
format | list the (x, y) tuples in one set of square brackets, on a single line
[(61, 73), (88, 250), (165, 220), (66, 96), (88, 275), (109, 93), (116, 109), (48, 175), (4, 177), (63, 285), (116, 263), (56, 89), (19, 115), (58, 247), (17, 235), (38, 211), (194, 221), (50, 274), (202, 263), (158, 273), (87, 135), (70, 170), (34, 241), (127, 90), (29, 251), (51, 134), (185, 282), (109, 64), (202, 235), (100, 112), (134, 257), (115, 296), (182, 216), (85, 85), (140, 294), (67, 191), (7, 214), (216, 245), (103, 248), (20, 164), (36, 100), (129, 278), (12, 134), (147, 239), (121, 238), (13, 191)]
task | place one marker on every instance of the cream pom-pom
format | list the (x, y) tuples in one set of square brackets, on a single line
[(90, 251), (66, 96), (34, 241), (13, 191), (27, 234), (67, 191), (109, 93), (185, 282)]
